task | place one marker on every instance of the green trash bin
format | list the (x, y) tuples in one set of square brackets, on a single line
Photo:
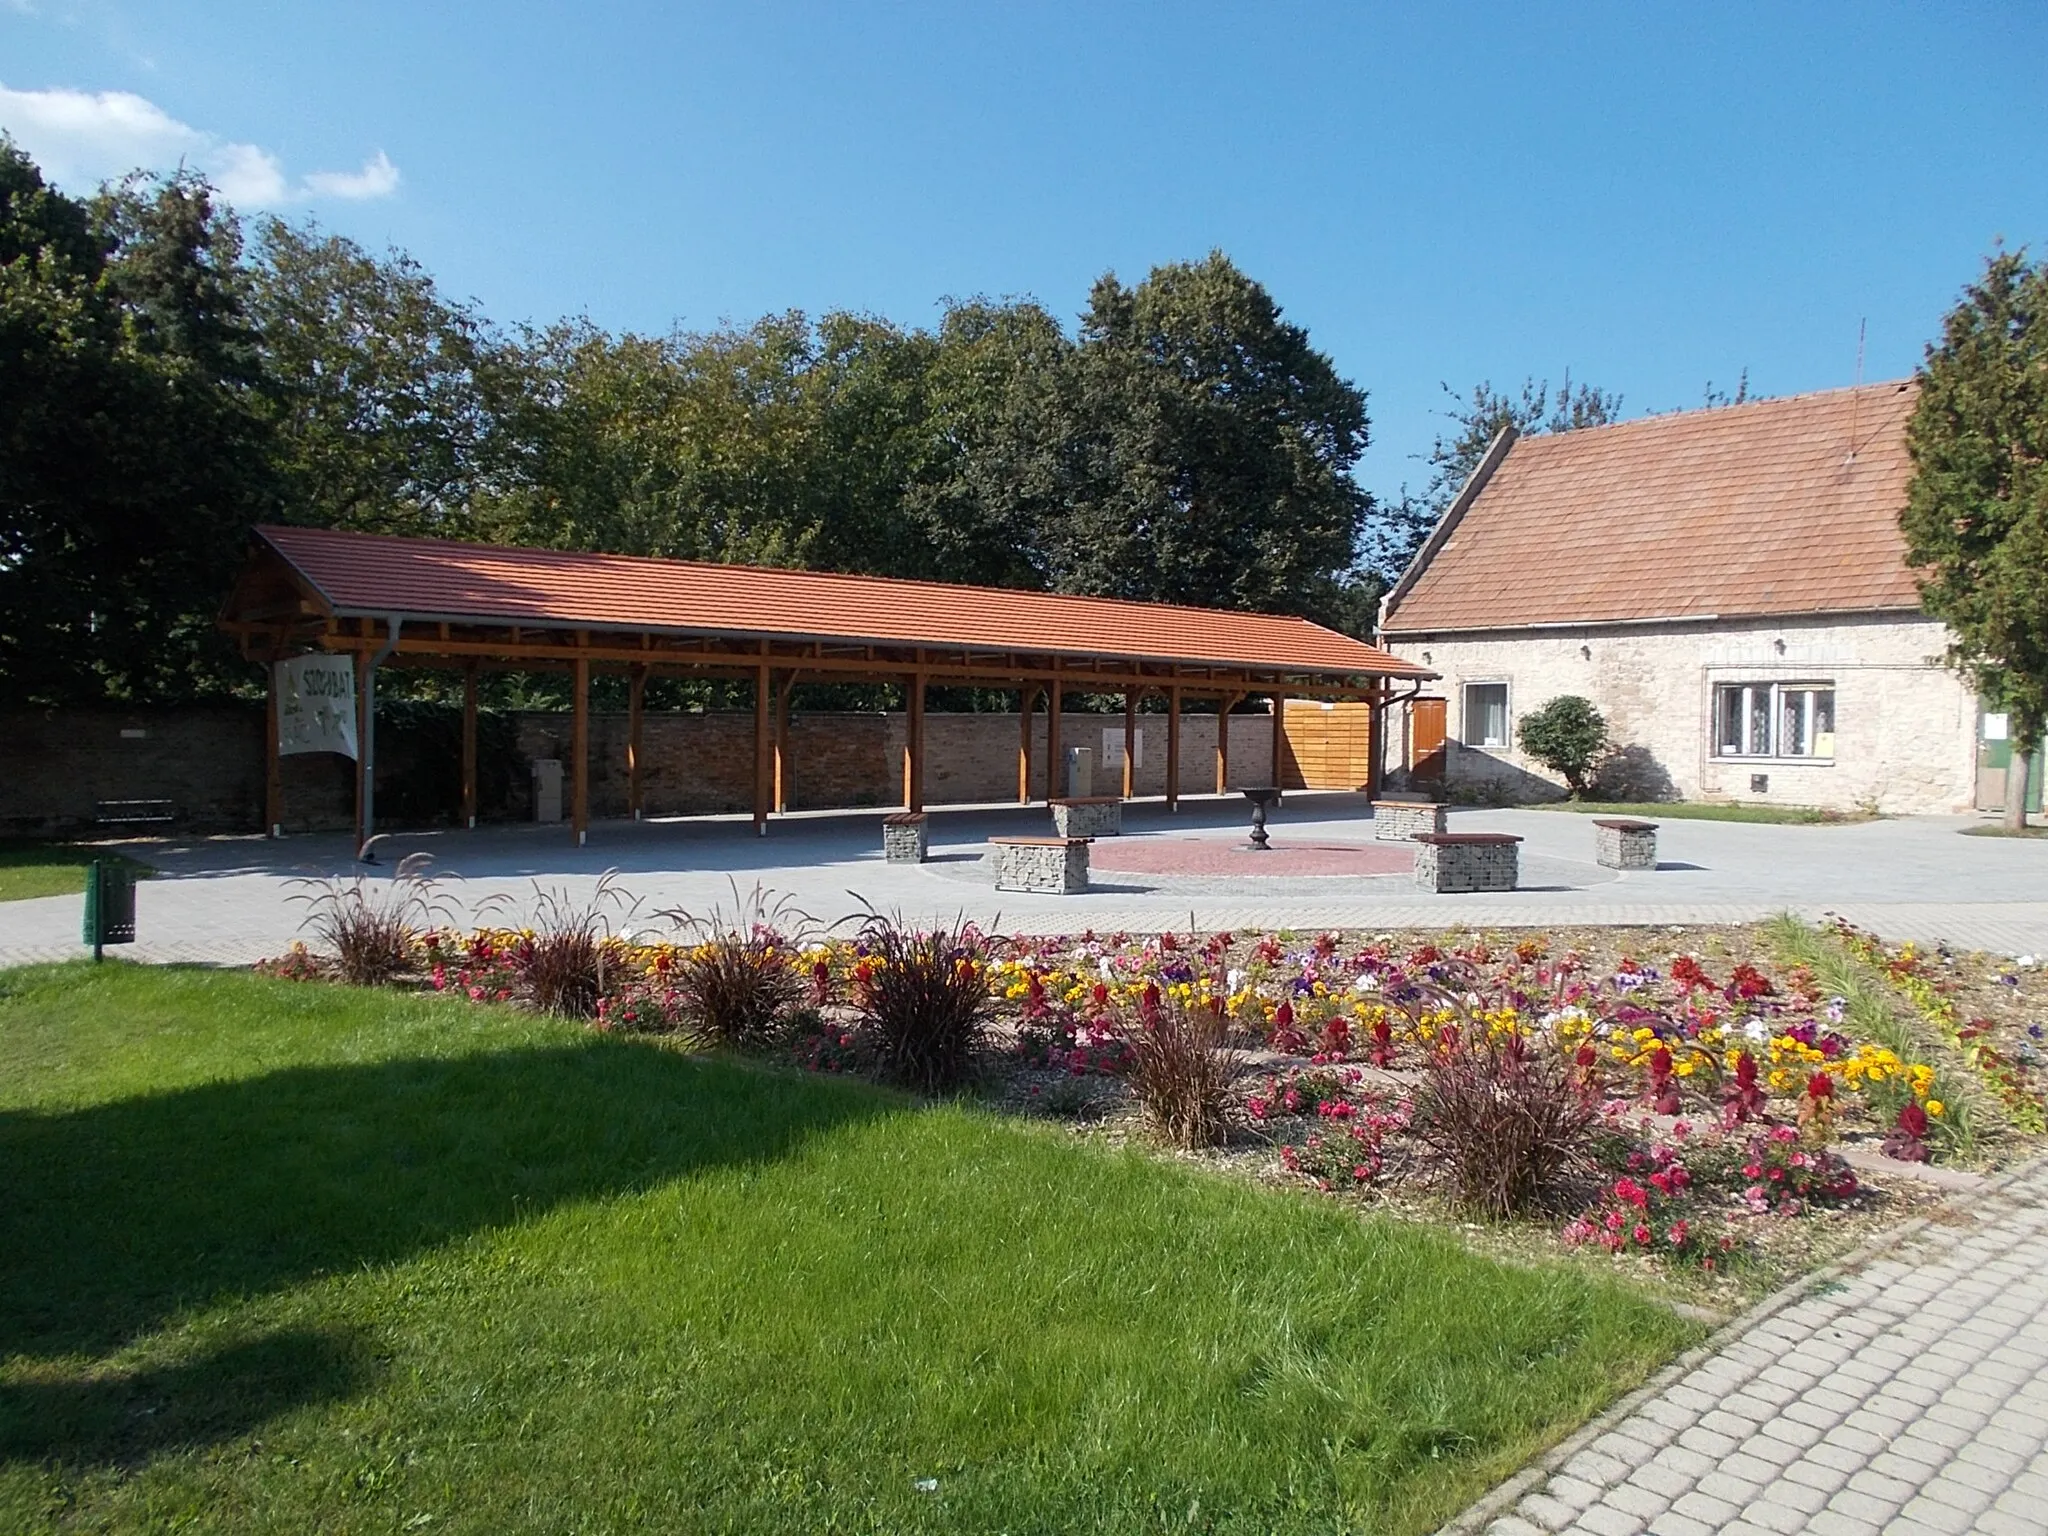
[(109, 904)]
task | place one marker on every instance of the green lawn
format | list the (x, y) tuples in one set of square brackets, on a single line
[(1700, 810), (49, 869), (280, 1257)]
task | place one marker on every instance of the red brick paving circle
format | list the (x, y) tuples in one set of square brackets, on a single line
[(1214, 856)]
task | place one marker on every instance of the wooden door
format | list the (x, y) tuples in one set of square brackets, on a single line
[(1427, 724), (1325, 745)]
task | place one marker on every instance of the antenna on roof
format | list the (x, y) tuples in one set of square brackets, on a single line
[(1856, 395)]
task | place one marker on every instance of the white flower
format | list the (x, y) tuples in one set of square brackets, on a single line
[(1757, 1030), (1233, 979), (1366, 983), (2026, 962), (1108, 970)]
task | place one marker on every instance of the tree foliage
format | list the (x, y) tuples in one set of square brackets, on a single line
[(1568, 736), (1976, 518), (1487, 412), (165, 388)]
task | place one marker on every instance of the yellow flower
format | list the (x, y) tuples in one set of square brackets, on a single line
[(1935, 1106)]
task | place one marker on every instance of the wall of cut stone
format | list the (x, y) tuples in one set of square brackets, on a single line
[(1905, 726)]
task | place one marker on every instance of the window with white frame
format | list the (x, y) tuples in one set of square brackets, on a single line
[(1774, 720), (1486, 715)]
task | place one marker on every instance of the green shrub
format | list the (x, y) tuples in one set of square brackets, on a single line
[(1569, 737)]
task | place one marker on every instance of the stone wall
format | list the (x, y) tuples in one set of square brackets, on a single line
[(1905, 727)]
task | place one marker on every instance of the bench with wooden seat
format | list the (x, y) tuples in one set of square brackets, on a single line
[(1466, 861), (134, 813), (1619, 843), (1088, 815), (904, 837), (1053, 865)]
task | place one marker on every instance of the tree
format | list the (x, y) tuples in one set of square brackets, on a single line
[(133, 443), (1567, 736), (1210, 450), (1976, 517), (1489, 412)]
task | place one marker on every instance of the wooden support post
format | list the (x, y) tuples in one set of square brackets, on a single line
[(913, 745), (762, 683), (365, 764), (636, 695), (1027, 697), (1130, 741), (1224, 706), (579, 750), (469, 745), (780, 799), (273, 764), (1279, 780), (1173, 748), (1055, 770)]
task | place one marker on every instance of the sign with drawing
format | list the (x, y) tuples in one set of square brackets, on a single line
[(1113, 746), (316, 705)]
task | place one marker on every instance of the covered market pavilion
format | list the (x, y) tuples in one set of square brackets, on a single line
[(405, 602)]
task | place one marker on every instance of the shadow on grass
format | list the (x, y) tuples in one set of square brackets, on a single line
[(121, 1215), (124, 1418)]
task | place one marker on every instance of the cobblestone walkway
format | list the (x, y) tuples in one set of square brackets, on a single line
[(1908, 1397)]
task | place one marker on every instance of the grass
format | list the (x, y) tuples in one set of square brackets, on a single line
[(285, 1257), (1999, 829), (1700, 810), (50, 869)]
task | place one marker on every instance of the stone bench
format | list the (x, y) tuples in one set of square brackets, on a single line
[(1088, 816), (1055, 865), (1395, 821), (903, 837), (1621, 844), (1466, 861)]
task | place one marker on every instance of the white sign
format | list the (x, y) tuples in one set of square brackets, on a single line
[(1113, 746), (316, 705), (1997, 727)]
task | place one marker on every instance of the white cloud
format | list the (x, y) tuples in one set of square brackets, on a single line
[(81, 138), (377, 178)]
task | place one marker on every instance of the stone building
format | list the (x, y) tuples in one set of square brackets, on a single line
[(1727, 586)]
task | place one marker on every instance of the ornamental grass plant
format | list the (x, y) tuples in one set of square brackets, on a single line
[(372, 928), (560, 964), (924, 1002), (737, 981), (1183, 1071)]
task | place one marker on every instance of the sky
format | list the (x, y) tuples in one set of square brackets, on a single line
[(1652, 197)]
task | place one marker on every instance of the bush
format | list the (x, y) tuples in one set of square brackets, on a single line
[(1567, 736), (924, 1002), (373, 928), (1501, 1125), (741, 983), (1182, 1070)]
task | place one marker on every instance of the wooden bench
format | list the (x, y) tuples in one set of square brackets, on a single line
[(1054, 865), (1619, 843), (904, 838), (1088, 815), (1466, 861), (134, 813)]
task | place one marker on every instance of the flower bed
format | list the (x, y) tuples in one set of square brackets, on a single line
[(1679, 1096)]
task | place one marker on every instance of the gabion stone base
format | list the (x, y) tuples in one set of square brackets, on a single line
[(1395, 821), (1466, 861), (1056, 866), (1625, 844), (1088, 816), (903, 838)]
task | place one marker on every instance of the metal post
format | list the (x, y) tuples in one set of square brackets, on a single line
[(366, 744)]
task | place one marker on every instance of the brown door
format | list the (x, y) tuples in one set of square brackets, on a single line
[(1325, 746), (1427, 721)]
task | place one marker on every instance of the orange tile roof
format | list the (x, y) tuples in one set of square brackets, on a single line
[(1745, 510), (438, 579)]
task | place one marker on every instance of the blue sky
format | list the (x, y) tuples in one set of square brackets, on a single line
[(1652, 196)]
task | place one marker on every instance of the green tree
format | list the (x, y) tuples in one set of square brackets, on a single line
[(1976, 517), (134, 449), (382, 390), (1487, 412), (1568, 736), (1210, 450)]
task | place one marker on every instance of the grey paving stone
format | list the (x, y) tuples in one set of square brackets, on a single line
[(1634, 1498), (1672, 1523), (1608, 1520)]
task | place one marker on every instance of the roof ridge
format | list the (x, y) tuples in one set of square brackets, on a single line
[(1743, 407)]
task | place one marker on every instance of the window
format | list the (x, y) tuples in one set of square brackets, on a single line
[(1486, 714), (1774, 720)]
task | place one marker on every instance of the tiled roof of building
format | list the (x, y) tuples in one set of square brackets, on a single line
[(1750, 509), (358, 574)]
